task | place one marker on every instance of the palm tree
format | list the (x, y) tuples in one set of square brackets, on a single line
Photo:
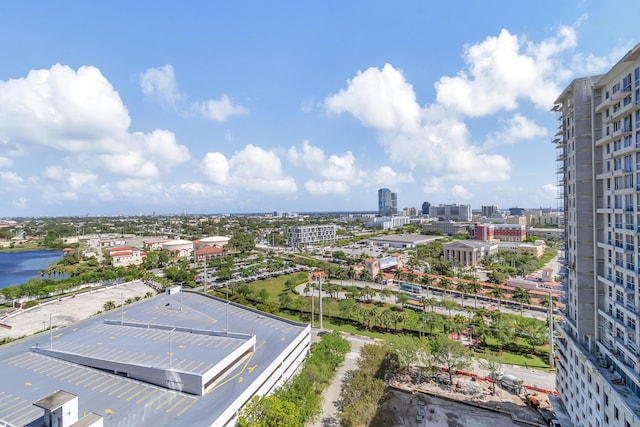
[(109, 305), (445, 284), (544, 301), (402, 298), (461, 287), (427, 281), (448, 304), (474, 287), (498, 293), (351, 273), (522, 296), (367, 292)]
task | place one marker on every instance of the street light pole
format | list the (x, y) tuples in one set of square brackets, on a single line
[(320, 296), (551, 358), (313, 311)]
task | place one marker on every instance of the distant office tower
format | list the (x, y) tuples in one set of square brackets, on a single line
[(425, 208), (488, 211), (599, 159), (451, 212), (387, 202), (516, 211)]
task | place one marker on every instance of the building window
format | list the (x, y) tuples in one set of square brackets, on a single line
[(615, 412)]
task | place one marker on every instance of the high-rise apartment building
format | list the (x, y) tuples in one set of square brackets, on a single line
[(387, 202), (488, 211), (598, 141), (451, 212), (425, 208), (304, 235)]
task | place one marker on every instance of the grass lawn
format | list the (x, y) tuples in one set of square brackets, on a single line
[(275, 285)]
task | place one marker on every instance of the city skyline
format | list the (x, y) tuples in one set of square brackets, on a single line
[(119, 108)]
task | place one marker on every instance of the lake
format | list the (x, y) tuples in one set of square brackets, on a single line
[(18, 267)]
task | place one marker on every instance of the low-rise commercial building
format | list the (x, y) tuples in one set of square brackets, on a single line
[(305, 235), (468, 253)]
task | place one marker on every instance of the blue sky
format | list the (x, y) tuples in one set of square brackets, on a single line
[(250, 106)]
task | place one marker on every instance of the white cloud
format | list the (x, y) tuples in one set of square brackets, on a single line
[(218, 110), (252, 168), (378, 98), (62, 109), (326, 187), (10, 178), (160, 82), (19, 203), (5, 162), (502, 69), (550, 189), (430, 139), (134, 188), (459, 192), (385, 175), (433, 186), (80, 114), (513, 130)]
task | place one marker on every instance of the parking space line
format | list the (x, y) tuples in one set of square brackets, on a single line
[(169, 400), (142, 390), (129, 390), (119, 388), (101, 377), (8, 408), (152, 401), (89, 378), (28, 416), (175, 405), (15, 413), (183, 410), (109, 380), (82, 374), (9, 401), (111, 385), (154, 391)]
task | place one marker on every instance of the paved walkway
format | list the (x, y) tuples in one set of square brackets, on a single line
[(331, 399)]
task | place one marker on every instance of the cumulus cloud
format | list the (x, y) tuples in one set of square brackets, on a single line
[(5, 162), (253, 168), (378, 98), (433, 186), (459, 192), (513, 130), (326, 187), (62, 109), (79, 114), (336, 174), (218, 110), (502, 69), (385, 175), (160, 82), (10, 178), (429, 138)]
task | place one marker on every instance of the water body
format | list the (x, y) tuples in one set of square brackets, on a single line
[(18, 267)]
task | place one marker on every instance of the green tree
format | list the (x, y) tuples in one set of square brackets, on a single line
[(445, 284), (461, 287), (242, 242), (498, 293), (109, 305), (268, 411), (492, 363), (544, 301), (473, 288), (402, 298), (522, 296), (347, 307), (450, 355)]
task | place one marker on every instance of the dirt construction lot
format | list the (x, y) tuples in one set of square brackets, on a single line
[(403, 409)]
